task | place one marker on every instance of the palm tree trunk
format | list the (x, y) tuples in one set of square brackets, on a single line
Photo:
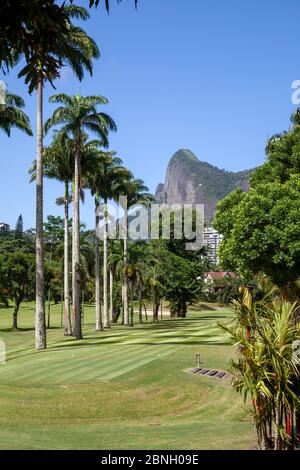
[(140, 303), (125, 280), (67, 317), (145, 308), (105, 277), (131, 303), (40, 321), (122, 294), (82, 305), (76, 250), (99, 324), (111, 287), (49, 290)]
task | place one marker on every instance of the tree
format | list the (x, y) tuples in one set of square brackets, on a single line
[(181, 283), (106, 182), (58, 164), (45, 57), (261, 227), (19, 227), (77, 115), (17, 274), (11, 114), (53, 238), (267, 370), (135, 192), (264, 233), (116, 270), (135, 271)]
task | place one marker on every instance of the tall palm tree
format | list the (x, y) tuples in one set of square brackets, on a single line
[(135, 193), (77, 115), (58, 164), (116, 269), (106, 182), (11, 114), (72, 46)]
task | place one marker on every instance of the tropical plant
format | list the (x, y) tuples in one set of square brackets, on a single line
[(12, 115), (106, 182), (58, 164), (116, 270), (45, 56), (267, 370), (135, 192), (77, 115)]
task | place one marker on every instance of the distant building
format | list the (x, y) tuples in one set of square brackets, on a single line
[(212, 240), (212, 276), (4, 227)]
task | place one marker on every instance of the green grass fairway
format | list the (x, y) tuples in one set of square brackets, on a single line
[(126, 388)]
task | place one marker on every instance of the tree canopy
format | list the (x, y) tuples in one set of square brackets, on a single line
[(261, 228)]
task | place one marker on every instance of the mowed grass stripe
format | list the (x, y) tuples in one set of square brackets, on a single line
[(86, 366), (112, 367), (126, 366), (49, 363)]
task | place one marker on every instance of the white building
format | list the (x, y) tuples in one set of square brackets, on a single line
[(4, 227), (212, 240)]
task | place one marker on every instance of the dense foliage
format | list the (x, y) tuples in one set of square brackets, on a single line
[(261, 228)]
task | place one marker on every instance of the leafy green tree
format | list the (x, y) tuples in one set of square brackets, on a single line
[(264, 235), (9, 243), (261, 227), (182, 283), (17, 275)]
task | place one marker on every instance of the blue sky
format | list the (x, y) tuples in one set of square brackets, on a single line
[(213, 76)]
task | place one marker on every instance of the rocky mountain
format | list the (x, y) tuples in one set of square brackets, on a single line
[(191, 181)]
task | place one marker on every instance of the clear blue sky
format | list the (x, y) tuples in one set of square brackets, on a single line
[(213, 76)]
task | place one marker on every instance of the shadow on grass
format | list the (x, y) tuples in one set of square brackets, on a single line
[(5, 307), (180, 341), (18, 330)]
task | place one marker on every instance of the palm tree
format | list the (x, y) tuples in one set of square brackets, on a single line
[(77, 115), (11, 114), (58, 164), (116, 269), (106, 182), (135, 193), (72, 46)]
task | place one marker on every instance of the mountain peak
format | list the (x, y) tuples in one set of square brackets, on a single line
[(191, 181), (184, 154)]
